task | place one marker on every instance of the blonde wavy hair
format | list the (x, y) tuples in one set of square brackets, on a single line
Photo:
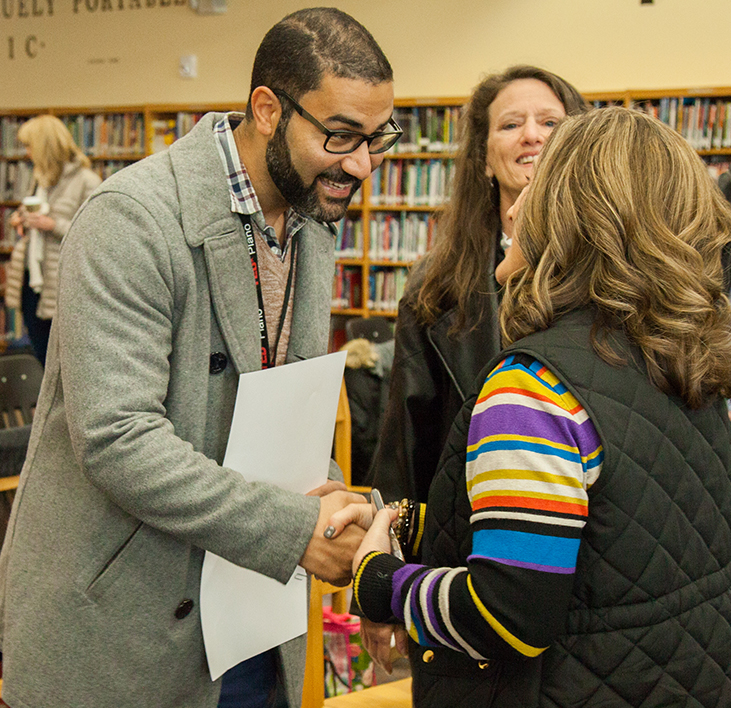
[(623, 217), (51, 147)]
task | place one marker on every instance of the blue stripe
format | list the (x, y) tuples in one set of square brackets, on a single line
[(539, 448), (526, 547)]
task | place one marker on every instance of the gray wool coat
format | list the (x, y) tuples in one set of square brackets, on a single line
[(122, 489)]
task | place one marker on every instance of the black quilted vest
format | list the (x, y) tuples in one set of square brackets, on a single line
[(650, 618)]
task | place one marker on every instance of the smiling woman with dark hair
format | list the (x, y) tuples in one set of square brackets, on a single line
[(577, 543)]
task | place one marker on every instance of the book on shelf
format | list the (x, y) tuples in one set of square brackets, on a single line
[(385, 288), (108, 134), (347, 288), (412, 182), (427, 128), (705, 122), (8, 235), (349, 239), (164, 133), (10, 146), (16, 178), (400, 236)]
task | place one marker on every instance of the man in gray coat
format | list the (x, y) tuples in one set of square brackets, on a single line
[(180, 273)]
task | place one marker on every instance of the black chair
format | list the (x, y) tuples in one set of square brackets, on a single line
[(374, 329), (20, 382)]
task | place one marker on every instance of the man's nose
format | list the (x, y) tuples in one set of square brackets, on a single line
[(360, 163)]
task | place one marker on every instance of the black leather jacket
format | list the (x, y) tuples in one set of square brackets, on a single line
[(433, 371)]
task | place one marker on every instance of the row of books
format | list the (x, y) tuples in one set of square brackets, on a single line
[(11, 324), (106, 168), (7, 233), (347, 288), (105, 134), (165, 131), (400, 237), (10, 146), (16, 179), (704, 122), (385, 288), (412, 182), (349, 240), (427, 128)]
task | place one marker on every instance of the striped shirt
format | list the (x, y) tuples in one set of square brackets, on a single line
[(241, 191), (532, 454)]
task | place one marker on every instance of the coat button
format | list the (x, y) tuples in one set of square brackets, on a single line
[(483, 664), (218, 362), (428, 656), (183, 609)]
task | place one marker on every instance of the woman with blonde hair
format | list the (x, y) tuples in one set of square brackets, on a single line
[(62, 180), (577, 543)]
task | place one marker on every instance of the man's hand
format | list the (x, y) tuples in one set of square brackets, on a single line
[(331, 559), (330, 486), (377, 641)]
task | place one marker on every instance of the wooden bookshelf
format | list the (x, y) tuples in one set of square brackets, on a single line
[(383, 254)]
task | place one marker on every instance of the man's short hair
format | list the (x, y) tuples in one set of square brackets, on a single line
[(296, 53)]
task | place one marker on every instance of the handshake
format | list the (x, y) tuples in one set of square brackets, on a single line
[(347, 530)]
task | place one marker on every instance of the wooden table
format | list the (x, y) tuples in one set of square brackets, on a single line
[(396, 694)]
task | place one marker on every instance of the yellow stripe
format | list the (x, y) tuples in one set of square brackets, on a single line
[(519, 378), (546, 477), (420, 532), (503, 633), (359, 572), (523, 438)]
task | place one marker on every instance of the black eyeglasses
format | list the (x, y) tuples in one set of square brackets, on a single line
[(342, 142)]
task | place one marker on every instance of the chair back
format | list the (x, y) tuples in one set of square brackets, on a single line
[(20, 382), (374, 329)]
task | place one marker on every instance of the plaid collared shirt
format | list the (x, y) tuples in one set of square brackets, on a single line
[(243, 196)]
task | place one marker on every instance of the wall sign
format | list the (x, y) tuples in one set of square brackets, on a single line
[(27, 45)]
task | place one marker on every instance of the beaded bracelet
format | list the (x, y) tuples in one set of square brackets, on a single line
[(404, 523)]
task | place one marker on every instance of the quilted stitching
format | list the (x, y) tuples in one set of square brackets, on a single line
[(650, 621)]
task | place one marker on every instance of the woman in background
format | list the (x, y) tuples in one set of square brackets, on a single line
[(62, 180), (447, 323), (577, 545)]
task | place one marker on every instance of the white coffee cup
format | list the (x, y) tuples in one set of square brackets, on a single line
[(32, 203)]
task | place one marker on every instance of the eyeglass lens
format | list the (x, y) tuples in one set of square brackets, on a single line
[(348, 142)]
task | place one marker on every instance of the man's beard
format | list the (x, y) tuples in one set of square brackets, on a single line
[(303, 199)]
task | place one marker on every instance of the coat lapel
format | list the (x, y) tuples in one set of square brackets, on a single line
[(209, 223)]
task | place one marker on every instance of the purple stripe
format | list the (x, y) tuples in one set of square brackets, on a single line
[(432, 605), (511, 419), (532, 566), (401, 576)]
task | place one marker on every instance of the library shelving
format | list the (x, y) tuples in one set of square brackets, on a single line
[(392, 220)]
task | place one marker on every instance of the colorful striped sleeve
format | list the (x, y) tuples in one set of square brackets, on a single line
[(532, 454)]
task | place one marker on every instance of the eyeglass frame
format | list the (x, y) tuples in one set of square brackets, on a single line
[(333, 133)]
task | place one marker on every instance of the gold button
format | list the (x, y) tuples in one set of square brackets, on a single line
[(483, 664), (427, 656)]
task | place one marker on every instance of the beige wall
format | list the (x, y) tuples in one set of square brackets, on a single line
[(124, 56)]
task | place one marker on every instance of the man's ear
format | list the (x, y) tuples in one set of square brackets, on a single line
[(266, 110)]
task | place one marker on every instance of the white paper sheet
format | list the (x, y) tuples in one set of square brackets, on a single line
[(282, 432)]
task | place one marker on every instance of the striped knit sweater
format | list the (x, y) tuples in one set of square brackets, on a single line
[(532, 455)]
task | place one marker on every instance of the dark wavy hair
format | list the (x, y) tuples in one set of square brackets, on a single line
[(301, 48), (622, 217), (463, 258)]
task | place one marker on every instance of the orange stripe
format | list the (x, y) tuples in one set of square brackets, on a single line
[(531, 503), (518, 391)]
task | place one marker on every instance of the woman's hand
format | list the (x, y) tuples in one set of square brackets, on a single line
[(16, 219), (377, 538), (377, 641), (42, 222)]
